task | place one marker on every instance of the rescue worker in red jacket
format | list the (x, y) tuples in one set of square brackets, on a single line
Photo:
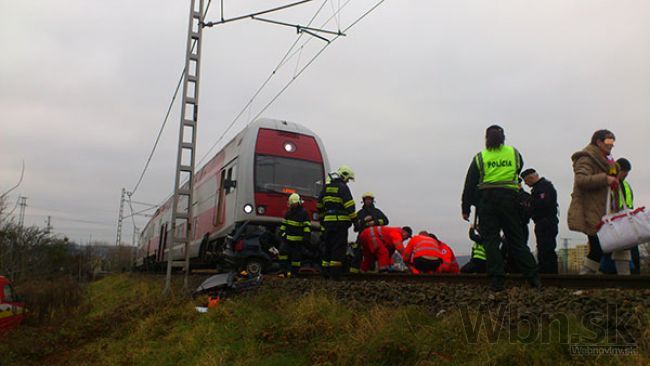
[(449, 263), (422, 254), (378, 244), (294, 232)]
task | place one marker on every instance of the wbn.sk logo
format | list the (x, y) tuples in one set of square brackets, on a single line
[(506, 322)]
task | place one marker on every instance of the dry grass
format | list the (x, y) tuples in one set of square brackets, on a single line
[(129, 322)]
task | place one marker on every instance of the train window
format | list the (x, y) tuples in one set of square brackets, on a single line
[(8, 293), (283, 175)]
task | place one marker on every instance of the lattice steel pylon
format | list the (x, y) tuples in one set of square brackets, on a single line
[(120, 219), (184, 181)]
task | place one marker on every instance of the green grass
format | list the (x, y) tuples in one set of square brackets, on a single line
[(127, 321)]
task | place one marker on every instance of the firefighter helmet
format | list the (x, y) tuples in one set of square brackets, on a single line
[(294, 198), (345, 172), (368, 195)]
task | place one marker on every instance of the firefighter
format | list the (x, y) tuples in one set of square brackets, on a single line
[(476, 263), (368, 215), (494, 173), (295, 231), (422, 254), (337, 212), (543, 210), (379, 243)]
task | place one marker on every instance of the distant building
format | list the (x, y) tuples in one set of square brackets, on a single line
[(570, 259)]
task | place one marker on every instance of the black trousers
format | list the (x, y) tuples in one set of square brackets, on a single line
[(546, 233), (474, 266), (595, 251), (291, 256), (426, 265), (498, 210), (336, 246)]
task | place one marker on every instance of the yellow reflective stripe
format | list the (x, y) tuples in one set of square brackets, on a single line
[(319, 205), (307, 229), (331, 189), (283, 257), (348, 204), (354, 270), (380, 221), (292, 223), (336, 264), (328, 218), (325, 263), (333, 199), (283, 228), (295, 237), (295, 264)]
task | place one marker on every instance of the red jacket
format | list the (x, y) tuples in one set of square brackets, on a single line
[(449, 263), (390, 236), (421, 246)]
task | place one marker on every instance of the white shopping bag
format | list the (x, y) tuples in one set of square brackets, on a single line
[(624, 229)]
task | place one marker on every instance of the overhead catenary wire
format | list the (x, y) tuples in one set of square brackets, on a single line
[(169, 109), (313, 59), (285, 59)]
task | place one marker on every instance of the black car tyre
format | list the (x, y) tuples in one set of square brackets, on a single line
[(254, 267)]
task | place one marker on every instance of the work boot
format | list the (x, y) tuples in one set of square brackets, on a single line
[(622, 267), (589, 266)]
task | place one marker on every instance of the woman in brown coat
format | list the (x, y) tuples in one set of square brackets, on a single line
[(594, 174)]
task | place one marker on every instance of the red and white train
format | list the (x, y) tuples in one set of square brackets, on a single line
[(250, 180)]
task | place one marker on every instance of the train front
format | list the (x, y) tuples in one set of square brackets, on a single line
[(288, 158)]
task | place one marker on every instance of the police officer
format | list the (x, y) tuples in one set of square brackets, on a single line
[(294, 231), (493, 178), (337, 212), (543, 210), (367, 216)]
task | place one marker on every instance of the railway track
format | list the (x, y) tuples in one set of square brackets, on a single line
[(572, 281), (563, 280)]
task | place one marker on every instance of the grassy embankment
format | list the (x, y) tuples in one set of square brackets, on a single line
[(126, 321)]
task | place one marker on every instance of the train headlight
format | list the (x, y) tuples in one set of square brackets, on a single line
[(261, 210), (248, 208), (289, 147)]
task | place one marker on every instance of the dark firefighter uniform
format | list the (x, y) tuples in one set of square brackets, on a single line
[(337, 212), (493, 178), (367, 216), (295, 231), (543, 209)]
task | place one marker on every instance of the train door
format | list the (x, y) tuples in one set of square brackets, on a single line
[(226, 194)]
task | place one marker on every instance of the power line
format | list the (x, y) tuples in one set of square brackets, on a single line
[(285, 59), (164, 123), (313, 59)]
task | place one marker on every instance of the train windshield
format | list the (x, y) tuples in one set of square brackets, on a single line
[(285, 175)]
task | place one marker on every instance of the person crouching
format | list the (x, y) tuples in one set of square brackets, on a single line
[(379, 242), (294, 232), (422, 254)]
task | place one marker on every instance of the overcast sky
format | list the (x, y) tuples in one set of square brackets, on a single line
[(404, 98)]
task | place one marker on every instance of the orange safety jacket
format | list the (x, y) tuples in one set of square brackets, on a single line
[(449, 263), (421, 246)]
